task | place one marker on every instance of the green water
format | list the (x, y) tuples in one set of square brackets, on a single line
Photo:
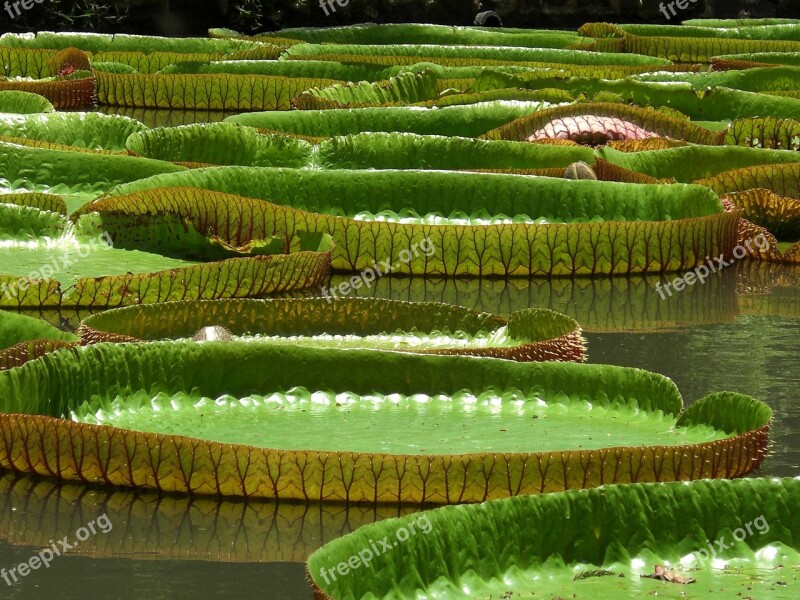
[(462, 424), (739, 331)]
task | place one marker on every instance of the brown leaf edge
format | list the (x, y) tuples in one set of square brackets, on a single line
[(102, 454), (18, 354)]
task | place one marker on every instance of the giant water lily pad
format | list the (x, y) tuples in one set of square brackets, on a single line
[(46, 261), (692, 163), (244, 419), (202, 91), (437, 223), (532, 334), (409, 151), (220, 144), (409, 54), (93, 131), (78, 176), (696, 44), (74, 91), (23, 338), (144, 53), (16, 328), (414, 33), (707, 539), (454, 120), (15, 101)]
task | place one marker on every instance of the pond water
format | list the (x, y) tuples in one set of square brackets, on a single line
[(463, 423), (739, 331)]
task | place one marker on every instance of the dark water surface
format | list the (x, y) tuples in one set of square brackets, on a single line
[(740, 331)]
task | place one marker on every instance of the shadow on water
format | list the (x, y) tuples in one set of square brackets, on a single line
[(205, 548), (739, 331)]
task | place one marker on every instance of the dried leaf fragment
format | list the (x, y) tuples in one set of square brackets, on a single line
[(668, 575)]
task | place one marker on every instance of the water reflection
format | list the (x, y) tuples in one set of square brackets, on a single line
[(613, 303), (739, 331), (146, 525), (755, 355)]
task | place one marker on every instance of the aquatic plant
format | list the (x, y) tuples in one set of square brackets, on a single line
[(398, 150), (24, 338), (87, 414), (427, 328), (538, 226), (674, 533), (46, 261)]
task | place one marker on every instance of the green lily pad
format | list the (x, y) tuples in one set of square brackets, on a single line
[(532, 334), (191, 91), (313, 69), (735, 23), (758, 59), (22, 221), (437, 223), (403, 89), (409, 151), (24, 338), (467, 121), (690, 163), (220, 144), (78, 176), (707, 539), (701, 96), (745, 29), (46, 261), (408, 54), (14, 101), (34, 72), (93, 131), (16, 328), (117, 414), (683, 47), (146, 54), (414, 33)]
